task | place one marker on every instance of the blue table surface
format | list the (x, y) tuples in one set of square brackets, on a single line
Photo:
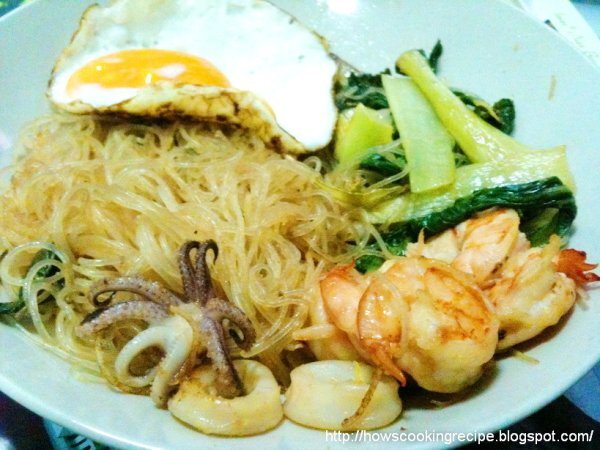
[(21, 429)]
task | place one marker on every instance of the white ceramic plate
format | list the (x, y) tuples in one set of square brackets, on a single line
[(491, 49)]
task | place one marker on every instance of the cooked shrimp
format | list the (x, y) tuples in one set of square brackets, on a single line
[(525, 284), (325, 339), (422, 317), (573, 264), (530, 295), (444, 247), (478, 246), (487, 241), (342, 289), (429, 320)]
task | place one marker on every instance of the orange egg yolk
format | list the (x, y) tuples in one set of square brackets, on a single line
[(143, 67)]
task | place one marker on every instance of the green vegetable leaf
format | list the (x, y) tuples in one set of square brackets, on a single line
[(546, 207), (506, 114), (387, 165), (43, 272), (501, 114), (361, 88), (435, 55)]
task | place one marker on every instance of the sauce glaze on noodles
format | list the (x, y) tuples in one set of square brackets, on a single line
[(120, 198)]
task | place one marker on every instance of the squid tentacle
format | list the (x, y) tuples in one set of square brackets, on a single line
[(203, 279), (220, 310), (228, 382), (186, 269), (103, 317), (149, 290)]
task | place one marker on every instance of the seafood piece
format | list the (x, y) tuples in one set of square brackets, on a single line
[(325, 339), (444, 246), (486, 242), (430, 320), (176, 338), (200, 306), (198, 403), (420, 316), (478, 246), (573, 264), (342, 288), (324, 394), (530, 295), (531, 288)]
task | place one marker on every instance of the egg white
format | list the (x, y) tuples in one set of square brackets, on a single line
[(260, 49)]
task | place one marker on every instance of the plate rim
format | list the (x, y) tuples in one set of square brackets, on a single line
[(28, 399)]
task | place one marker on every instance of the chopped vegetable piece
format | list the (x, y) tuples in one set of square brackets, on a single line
[(435, 55), (385, 164), (501, 114), (530, 200), (480, 141), (427, 144), (11, 307), (360, 88), (359, 130), (473, 177)]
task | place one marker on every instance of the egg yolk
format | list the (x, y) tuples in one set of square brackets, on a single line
[(142, 67)]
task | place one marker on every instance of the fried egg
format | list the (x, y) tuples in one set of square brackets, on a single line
[(243, 62)]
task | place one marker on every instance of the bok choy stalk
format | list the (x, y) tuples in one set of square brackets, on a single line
[(479, 140), (427, 144), (469, 179), (499, 159)]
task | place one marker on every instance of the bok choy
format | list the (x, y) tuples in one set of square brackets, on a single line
[(546, 207)]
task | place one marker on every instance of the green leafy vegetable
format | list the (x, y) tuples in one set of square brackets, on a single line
[(505, 115), (44, 272), (471, 178), (501, 114), (546, 207), (361, 88), (386, 164), (435, 55), (479, 140), (11, 307), (433, 58)]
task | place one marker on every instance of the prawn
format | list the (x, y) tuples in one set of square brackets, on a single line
[(326, 334), (530, 294), (478, 246), (419, 316), (531, 288)]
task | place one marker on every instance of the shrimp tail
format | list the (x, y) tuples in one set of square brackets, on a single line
[(573, 264), (386, 362)]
